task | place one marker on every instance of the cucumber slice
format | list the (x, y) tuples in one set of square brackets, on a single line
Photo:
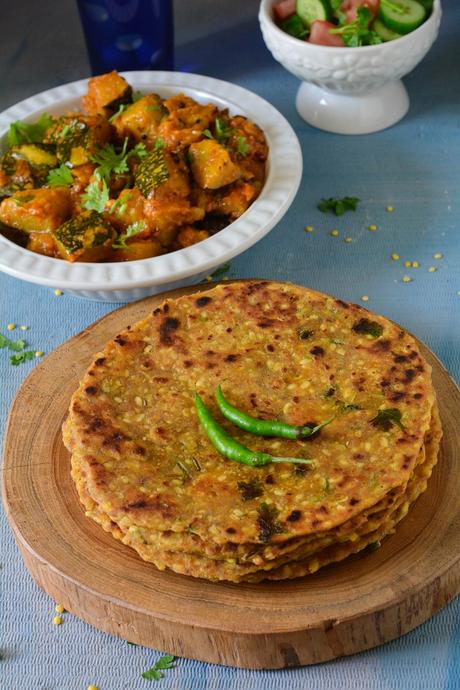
[(402, 16), (427, 4), (294, 26), (311, 10), (383, 32)]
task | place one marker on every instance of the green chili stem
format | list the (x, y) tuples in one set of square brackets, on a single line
[(230, 448), (265, 427)]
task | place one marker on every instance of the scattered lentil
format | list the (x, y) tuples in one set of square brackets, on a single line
[(408, 264), (11, 326), (438, 255), (308, 228), (57, 620), (389, 209), (24, 328), (59, 608), (415, 264), (58, 293), (334, 233), (92, 687), (395, 256), (39, 353), (406, 279), (365, 298), (348, 239), (372, 228), (432, 269)]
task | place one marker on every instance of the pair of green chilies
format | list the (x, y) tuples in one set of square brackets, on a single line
[(230, 448)]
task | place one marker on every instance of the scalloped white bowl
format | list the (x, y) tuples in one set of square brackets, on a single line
[(350, 90), (131, 280)]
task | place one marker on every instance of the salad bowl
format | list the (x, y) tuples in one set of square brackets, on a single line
[(350, 90)]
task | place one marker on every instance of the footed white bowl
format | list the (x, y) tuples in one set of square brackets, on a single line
[(350, 90), (132, 280)]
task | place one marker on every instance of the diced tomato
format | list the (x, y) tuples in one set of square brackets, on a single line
[(282, 10), (350, 8), (320, 34)]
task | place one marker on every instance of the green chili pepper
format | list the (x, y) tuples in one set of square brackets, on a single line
[(230, 447), (264, 427)]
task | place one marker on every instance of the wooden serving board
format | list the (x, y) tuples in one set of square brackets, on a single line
[(343, 609)]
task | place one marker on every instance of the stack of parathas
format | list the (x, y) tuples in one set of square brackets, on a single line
[(146, 471)]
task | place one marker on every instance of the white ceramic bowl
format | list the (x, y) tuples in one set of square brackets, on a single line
[(350, 90), (127, 281)]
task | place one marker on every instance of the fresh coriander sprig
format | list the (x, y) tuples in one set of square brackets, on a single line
[(358, 33), (338, 206), (131, 231), (96, 195), (121, 108), (24, 133), (163, 663), (386, 418), (21, 357), (109, 161), (16, 345), (60, 177), (242, 146)]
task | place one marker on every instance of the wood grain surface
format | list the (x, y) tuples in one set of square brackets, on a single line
[(355, 605)]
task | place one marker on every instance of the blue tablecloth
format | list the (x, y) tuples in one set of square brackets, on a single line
[(414, 167)]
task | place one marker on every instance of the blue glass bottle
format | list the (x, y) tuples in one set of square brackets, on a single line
[(128, 34)]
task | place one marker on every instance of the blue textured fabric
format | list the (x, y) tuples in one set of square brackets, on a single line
[(414, 167)]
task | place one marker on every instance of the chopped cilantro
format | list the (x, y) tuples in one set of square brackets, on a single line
[(159, 143), (163, 663), (96, 195), (267, 522), (139, 150), (17, 345), (358, 33), (121, 108), (109, 161), (338, 206), (242, 146), (223, 131), (221, 270), (24, 133), (207, 133), (386, 418), (60, 177), (368, 327), (21, 357), (294, 26), (131, 231), (250, 489)]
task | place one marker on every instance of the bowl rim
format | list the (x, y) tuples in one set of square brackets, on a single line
[(282, 182), (266, 15)]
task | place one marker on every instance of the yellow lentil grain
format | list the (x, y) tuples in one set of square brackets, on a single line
[(348, 239), (438, 255), (59, 608), (395, 256), (415, 264), (39, 353), (24, 328), (92, 687), (57, 620), (209, 278), (58, 293), (372, 228), (408, 264), (458, 293), (365, 298), (389, 209), (334, 233), (406, 279), (308, 228), (432, 269), (11, 326)]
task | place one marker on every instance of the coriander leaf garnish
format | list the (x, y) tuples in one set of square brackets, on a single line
[(139, 150), (368, 327), (358, 33), (386, 418), (24, 133), (250, 489), (221, 270), (17, 345), (96, 195), (109, 161), (21, 357), (163, 663), (338, 206), (131, 231), (60, 177), (207, 133), (159, 143), (121, 108), (242, 146), (267, 523), (223, 131)]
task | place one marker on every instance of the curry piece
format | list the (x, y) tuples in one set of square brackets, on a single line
[(78, 137), (151, 172), (138, 249), (189, 235), (106, 93), (186, 122), (166, 216), (140, 120), (211, 164), (42, 243), (36, 210), (87, 237), (128, 208)]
